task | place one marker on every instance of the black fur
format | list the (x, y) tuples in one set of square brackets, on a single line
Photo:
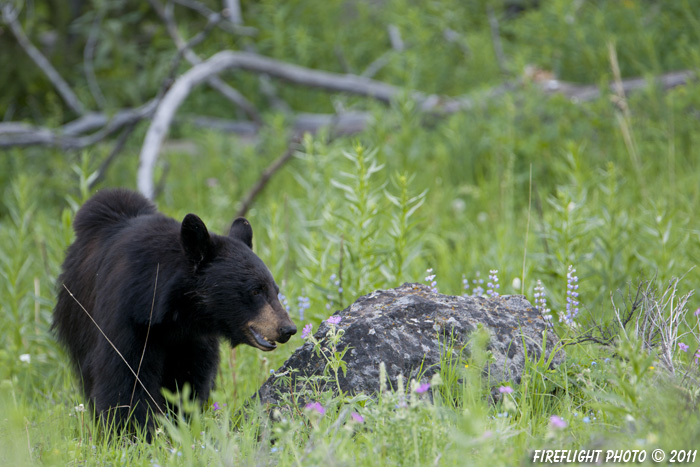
[(208, 287)]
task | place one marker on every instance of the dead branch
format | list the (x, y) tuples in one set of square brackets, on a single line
[(496, 40), (266, 175), (227, 26), (395, 38), (233, 10), (72, 134), (116, 149), (340, 124), (88, 57), (182, 87), (9, 16), (585, 93), (185, 49)]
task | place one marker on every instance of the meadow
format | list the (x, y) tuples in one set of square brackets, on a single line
[(524, 183)]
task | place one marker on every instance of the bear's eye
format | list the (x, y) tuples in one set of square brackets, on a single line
[(259, 290)]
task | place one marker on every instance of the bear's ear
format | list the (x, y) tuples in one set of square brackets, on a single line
[(242, 230), (195, 239)]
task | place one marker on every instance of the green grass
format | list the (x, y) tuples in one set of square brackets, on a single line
[(402, 197)]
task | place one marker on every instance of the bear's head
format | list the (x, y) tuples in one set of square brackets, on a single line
[(233, 289)]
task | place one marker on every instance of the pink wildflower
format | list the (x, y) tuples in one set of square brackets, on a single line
[(357, 417), (334, 320), (306, 332), (505, 390), (683, 347), (557, 422), (316, 407), (423, 388)]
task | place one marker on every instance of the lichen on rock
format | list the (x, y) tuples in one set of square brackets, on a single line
[(408, 328)]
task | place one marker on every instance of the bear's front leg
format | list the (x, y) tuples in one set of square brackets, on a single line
[(119, 398), (192, 362)]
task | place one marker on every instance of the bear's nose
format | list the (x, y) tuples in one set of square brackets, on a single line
[(287, 332)]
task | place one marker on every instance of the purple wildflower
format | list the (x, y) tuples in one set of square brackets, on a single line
[(541, 303), (505, 390), (283, 300), (478, 289), (303, 304), (334, 320), (423, 387), (697, 313), (357, 417), (697, 356), (430, 278), (316, 407), (216, 406), (557, 422), (683, 347), (465, 285), (493, 284), (306, 332), (571, 297)]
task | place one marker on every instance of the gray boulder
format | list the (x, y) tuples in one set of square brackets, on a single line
[(407, 328)]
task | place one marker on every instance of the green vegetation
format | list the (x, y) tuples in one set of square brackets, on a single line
[(521, 183)]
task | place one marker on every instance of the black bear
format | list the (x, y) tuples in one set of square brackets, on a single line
[(142, 294)]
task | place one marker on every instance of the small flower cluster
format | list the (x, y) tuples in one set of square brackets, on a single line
[(321, 410), (478, 289), (315, 407), (423, 387), (465, 285), (571, 297), (335, 284), (430, 279), (541, 303), (334, 320), (493, 285), (303, 304), (587, 418), (283, 300), (215, 406), (327, 347), (306, 332), (557, 422)]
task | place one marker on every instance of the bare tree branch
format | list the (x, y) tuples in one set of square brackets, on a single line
[(395, 38), (340, 124), (234, 14), (496, 39), (116, 149), (10, 18), (585, 93), (266, 175), (379, 63), (227, 26), (215, 82), (174, 97), (88, 57), (72, 135)]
